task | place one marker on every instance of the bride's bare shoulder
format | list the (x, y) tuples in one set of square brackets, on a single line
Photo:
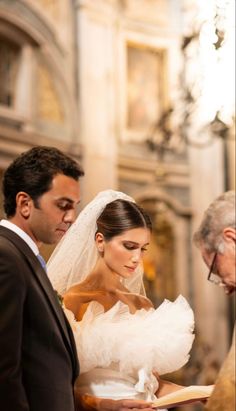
[(78, 297)]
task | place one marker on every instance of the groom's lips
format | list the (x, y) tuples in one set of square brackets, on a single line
[(61, 230)]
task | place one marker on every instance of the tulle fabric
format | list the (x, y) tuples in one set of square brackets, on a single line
[(136, 343)]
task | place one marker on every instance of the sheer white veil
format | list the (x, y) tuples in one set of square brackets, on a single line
[(75, 255)]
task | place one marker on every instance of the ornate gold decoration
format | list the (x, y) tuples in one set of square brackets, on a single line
[(49, 107)]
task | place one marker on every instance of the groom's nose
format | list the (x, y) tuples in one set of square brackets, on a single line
[(70, 216)]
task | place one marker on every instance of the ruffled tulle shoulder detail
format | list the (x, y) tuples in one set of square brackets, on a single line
[(157, 339)]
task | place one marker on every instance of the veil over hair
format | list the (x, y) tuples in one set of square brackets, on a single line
[(76, 254)]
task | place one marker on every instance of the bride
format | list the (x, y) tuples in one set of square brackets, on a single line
[(123, 343)]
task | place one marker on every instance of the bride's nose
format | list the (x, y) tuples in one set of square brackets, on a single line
[(136, 256)]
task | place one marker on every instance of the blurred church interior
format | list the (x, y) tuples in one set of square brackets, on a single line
[(141, 92)]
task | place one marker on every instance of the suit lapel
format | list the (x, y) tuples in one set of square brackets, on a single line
[(50, 294), (53, 301)]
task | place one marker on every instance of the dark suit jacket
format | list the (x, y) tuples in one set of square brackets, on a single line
[(38, 360)]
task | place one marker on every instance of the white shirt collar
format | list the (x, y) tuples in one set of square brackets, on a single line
[(13, 227)]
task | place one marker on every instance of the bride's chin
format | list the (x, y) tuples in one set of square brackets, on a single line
[(127, 274)]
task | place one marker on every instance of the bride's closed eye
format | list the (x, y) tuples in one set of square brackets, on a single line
[(133, 246), (130, 246)]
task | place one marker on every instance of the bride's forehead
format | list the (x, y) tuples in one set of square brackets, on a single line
[(139, 234)]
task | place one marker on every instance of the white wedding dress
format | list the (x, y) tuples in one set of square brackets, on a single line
[(118, 351)]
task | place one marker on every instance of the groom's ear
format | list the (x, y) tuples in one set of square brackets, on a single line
[(99, 240), (24, 204)]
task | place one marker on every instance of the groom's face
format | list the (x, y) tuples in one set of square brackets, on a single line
[(55, 211)]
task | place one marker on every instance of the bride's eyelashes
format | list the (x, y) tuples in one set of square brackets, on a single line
[(132, 246)]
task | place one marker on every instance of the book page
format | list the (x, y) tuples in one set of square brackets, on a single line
[(186, 395)]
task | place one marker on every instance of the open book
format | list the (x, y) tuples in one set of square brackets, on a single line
[(183, 396)]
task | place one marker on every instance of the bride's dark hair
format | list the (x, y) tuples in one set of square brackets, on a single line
[(121, 215)]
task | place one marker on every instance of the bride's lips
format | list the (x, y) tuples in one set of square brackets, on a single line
[(132, 269)]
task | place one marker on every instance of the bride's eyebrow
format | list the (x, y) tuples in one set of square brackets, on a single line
[(134, 243)]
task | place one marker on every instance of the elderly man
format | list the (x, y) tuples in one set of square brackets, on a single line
[(216, 239)]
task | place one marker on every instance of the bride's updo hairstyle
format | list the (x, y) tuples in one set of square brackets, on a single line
[(121, 215)]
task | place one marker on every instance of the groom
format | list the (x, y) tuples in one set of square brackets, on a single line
[(38, 360)]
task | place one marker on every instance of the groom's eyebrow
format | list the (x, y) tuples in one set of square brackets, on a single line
[(69, 200)]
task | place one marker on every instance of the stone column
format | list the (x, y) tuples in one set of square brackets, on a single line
[(97, 62), (24, 85)]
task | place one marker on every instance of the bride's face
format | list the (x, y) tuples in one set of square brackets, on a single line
[(123, 253)]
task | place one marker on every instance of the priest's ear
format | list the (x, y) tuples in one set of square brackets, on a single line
[(23, 204), (229, 234)]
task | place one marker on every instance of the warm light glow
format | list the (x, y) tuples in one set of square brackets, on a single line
[(211, 62)]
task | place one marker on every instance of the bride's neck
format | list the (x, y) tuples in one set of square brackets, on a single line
[(103, 278)]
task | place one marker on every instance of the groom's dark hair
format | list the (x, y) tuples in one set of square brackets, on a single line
[(33, 172)]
